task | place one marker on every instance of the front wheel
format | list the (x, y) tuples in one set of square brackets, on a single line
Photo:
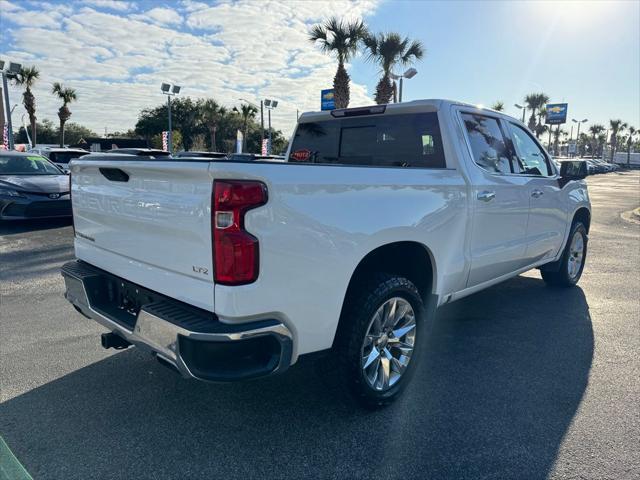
[(573, 259), (379, 342)]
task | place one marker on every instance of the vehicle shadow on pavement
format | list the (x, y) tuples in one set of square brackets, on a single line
[(498, 387), (11, 227)]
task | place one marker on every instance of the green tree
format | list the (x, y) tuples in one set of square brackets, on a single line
[(389, 50), (212, 115), (532, 103), (247, 113), (498, 106), (536, 103), (616, 127), (67, 95), (156, 141), (595, 130), (26, 78), (342, 41), (74, 132), (632, 132), (47, 133), (557, 133)]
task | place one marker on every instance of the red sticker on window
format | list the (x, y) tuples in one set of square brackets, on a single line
[(301, 155)]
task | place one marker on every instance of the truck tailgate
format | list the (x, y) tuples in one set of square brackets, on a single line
[(148, 222)]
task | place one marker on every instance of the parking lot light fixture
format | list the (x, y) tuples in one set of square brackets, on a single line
[(11, 72), (169, 90), (409, 73)]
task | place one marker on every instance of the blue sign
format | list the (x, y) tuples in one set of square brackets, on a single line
[(326, 100), (556, 113)]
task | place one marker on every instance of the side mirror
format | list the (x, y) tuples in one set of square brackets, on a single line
[(573, 170)]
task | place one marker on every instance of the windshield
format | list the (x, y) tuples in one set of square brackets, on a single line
[(31, 165)]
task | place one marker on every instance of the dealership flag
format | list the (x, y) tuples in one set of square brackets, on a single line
[(265, 146), (165, 141), (5, 136)]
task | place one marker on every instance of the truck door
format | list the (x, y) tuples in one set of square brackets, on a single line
[(500, 201), (547, 204)]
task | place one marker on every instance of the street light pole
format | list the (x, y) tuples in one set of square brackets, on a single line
[(5, 90), (523, 108), (269, 105), (11, 72), (269, 149), (169, 91), (410, 73), (170, 134)]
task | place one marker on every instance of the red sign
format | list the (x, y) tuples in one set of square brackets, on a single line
[(301, 155)]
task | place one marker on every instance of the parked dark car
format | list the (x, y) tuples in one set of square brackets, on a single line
[(213, 155), (32, 187)]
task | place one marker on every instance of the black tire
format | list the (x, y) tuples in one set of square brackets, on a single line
[(354, 325), (559, 275)]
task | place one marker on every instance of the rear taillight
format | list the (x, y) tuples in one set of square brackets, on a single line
[(235, 251)]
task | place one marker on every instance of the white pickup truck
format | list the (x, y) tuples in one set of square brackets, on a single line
[(230, 270)]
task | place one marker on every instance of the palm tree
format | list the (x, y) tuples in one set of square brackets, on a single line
[(632, 132), (342, 40), (389, 50), (595, 130), (26, 78), (557, 133), (248, 113), (532, 102), (67, 95), (616, 126), (212, 115), (498, 106)]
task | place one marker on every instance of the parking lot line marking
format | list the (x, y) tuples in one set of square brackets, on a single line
[(10, 467)]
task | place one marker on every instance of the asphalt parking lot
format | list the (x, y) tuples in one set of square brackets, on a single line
[(520, 381)]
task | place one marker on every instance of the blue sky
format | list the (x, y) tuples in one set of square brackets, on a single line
[(116, 53)]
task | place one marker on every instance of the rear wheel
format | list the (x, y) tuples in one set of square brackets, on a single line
[(379, 341), (572, 262)]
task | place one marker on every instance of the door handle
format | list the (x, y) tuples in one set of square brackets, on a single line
[(486, 196), (537, 193)]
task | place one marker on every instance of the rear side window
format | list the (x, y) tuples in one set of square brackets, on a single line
[(405, 140), (487, 143)]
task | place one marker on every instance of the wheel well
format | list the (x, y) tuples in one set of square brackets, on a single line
[(583, 215), (408, 259)]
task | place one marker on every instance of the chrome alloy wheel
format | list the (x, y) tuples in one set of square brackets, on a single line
[(576, 255), (388, 344)]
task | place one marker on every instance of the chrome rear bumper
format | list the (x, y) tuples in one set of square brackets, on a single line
[(192, 340)]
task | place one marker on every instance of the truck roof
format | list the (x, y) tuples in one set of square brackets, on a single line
[(432, 104)]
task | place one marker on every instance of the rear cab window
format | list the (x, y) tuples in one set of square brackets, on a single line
[(401, 140)]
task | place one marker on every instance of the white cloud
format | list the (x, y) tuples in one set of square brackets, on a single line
[(116, 61), (118, 5), (162, 16)]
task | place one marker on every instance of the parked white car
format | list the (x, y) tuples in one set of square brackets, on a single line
[(61, 156), (232, 270)]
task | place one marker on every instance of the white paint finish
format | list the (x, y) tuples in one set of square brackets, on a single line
[(160, 218), (318, 224), (547, 218)]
